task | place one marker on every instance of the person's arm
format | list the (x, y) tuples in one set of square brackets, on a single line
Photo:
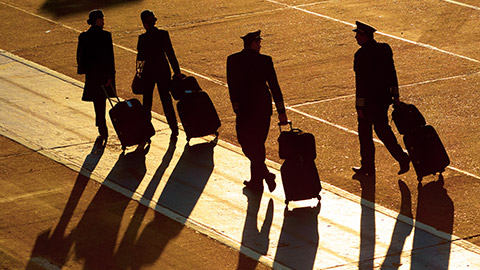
[(360, 86), (111, 61), (171, 56), (276, 93), (80, 56), (234, 84), (393, 76)]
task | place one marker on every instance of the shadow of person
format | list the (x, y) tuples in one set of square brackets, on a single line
[(66, 7), (435, 208), (367, 221), (180, 194), (56, 245), (129, 169), (299, 238), (157, 177), (126, 254), (97, 232), (252, 238), (401, 231)]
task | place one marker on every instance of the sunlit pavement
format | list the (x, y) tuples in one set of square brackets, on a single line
[(200, 184)]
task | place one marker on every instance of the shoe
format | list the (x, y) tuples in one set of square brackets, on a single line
[(255, 186), (404, 166), (270, 179), (363, 171)]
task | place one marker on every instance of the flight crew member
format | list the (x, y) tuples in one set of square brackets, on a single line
[(252, 82), (156, 52), (376, 88), (95, 59)]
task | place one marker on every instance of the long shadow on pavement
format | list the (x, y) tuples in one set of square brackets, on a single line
[(367, 222), (298, 243), (66, 7), (435, 208), (56, 245), (92, 243), (252, 238), (401, 230), (180, 194)]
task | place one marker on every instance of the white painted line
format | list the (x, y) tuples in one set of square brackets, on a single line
[(461, 4), (219, 212), (378, 32), (290, 108)]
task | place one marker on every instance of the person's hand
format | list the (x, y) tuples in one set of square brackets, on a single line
[(179, 76), (282, 118)]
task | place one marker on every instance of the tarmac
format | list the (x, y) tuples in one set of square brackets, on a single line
[(199, 184)]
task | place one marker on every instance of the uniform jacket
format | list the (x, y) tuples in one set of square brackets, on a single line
[(95, 59), (154, 47), (252, 82), (375, 75)]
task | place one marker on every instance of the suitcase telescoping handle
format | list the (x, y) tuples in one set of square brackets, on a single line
[(114, 91)]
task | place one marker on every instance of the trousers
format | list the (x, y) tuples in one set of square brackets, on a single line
[(252, 134), (166, 99), (377, 117)]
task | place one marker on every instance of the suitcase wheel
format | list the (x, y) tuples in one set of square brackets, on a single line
[(420, 179)]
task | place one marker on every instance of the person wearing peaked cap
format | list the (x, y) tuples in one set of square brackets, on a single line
[(364, 28), (376, 88), (252, 82), (95, 59), (156, 55)]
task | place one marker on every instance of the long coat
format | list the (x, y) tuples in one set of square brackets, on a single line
[(95, 59), (375, 75), (154, 46), (252, 82)]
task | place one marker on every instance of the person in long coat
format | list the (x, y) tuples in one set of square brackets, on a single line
[(155, 52), (252, 82), (95, 59), (376, 88)]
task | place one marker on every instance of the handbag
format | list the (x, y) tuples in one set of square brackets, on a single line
[(137, 83)]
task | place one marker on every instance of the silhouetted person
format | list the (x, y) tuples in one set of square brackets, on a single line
[(377, 87), (95, 59), (252, 82), (154, 48)]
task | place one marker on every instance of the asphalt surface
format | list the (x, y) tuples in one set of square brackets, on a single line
[(434, 44)]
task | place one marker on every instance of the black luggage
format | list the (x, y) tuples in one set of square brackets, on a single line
[(198, 115), (131, 122), (182, 86), (295, 142), (426, 151), (407, 117), (300, 179)]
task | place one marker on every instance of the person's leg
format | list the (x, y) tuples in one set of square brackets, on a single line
[(367, 147), (147, 96), (252, 134), (167, 104), (386, 135), (99, 106)]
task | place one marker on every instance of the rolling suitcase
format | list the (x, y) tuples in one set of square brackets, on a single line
[(182, 86), (295, 142), (300, 179), (131, 122), (198, 115), (407, 117), (426, 151)]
